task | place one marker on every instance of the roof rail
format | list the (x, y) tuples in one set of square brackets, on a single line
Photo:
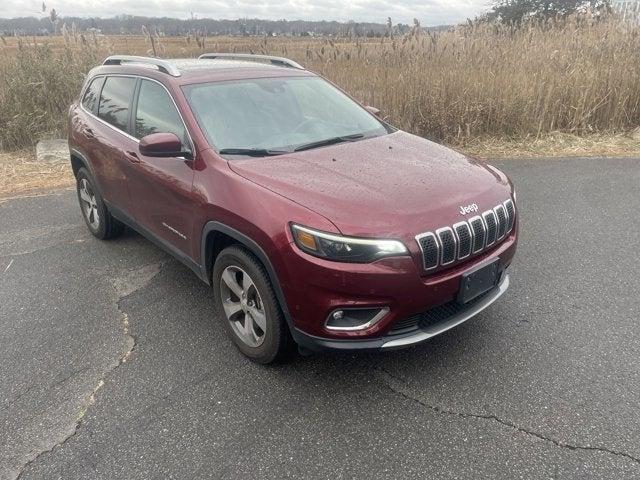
[(280, 61), (162, 65)]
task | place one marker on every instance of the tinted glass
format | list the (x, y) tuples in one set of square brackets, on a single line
[(115, 101), (277, 113), (156, 112), (92, 93)]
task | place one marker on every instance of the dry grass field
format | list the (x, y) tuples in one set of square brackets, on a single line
[(571, 87), (21, 175)]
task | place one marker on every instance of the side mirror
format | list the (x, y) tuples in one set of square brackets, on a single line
[(161, 145), (374, 110)]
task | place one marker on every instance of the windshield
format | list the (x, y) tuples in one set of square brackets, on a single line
[(278, 115)]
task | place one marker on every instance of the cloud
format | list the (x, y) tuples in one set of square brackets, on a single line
[(429, 12)]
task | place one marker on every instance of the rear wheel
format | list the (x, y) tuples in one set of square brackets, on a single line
[(248, 306), (95, 213)]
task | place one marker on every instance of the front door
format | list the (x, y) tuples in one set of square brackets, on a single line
[(161, 188)]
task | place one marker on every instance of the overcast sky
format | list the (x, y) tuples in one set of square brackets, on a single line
[(429, 12)]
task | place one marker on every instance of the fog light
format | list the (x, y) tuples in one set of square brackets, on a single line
[(354, 319)]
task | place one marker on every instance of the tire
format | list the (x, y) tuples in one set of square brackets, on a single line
[(99, 220), (257, 326)]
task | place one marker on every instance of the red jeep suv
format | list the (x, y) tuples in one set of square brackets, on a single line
[(312, 219)]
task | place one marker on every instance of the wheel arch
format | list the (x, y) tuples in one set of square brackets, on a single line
[(216, 236), (78, 161), (76, 164)]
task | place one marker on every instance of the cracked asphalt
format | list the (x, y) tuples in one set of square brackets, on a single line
[(114, 366)]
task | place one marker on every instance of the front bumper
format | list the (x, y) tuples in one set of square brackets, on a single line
[(390, 342), (314, 287)]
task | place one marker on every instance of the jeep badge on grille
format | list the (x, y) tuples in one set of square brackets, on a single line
[(464, 210)]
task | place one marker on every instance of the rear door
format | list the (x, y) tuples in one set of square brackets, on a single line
[(110, 134), (85, 123), (161, 188)]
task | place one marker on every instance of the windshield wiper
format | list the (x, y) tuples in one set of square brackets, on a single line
[(252, 152), (329, 141)]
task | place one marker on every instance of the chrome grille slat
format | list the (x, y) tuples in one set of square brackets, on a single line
[(430, 250), (511, 214), (492, 227), (501, 216), (464, 239), (470, 237), (448, 248), (479, 231)]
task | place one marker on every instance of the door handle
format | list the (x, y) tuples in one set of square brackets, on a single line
[(88, 133), (132, 157)]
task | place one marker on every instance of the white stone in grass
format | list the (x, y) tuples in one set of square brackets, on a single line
[(52, 151)]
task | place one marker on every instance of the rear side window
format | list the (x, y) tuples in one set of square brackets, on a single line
[(157, 113), (115, 101), (91, 95)]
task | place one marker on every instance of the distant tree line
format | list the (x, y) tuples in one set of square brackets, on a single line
[(517, 11), (128, 24), (504, 11)]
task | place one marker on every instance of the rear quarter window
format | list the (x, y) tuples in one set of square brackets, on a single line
[(92, 94), (115, 101)]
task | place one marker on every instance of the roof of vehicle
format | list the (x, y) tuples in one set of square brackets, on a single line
[(197, 70)]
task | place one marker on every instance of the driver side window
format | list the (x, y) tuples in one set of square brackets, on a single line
[(156, 113)]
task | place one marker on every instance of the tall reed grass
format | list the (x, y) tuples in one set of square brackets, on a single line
[(577, 75)]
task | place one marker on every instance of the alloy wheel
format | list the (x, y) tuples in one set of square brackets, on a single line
[(89, 204), (243, 306)]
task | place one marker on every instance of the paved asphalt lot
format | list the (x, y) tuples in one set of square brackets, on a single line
[(113, 366)]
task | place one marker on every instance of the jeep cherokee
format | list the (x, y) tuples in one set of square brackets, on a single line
[(314, 221)]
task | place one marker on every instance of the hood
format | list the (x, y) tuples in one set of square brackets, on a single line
[(396, 185)]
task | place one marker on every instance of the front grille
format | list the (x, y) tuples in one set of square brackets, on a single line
[(466, 238), (442, 313)]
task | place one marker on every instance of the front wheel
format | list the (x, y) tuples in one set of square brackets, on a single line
[(248, 306)]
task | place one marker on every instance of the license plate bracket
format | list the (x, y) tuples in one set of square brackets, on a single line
[(479, 280)]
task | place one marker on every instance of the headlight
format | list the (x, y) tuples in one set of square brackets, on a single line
[(345, 249)]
